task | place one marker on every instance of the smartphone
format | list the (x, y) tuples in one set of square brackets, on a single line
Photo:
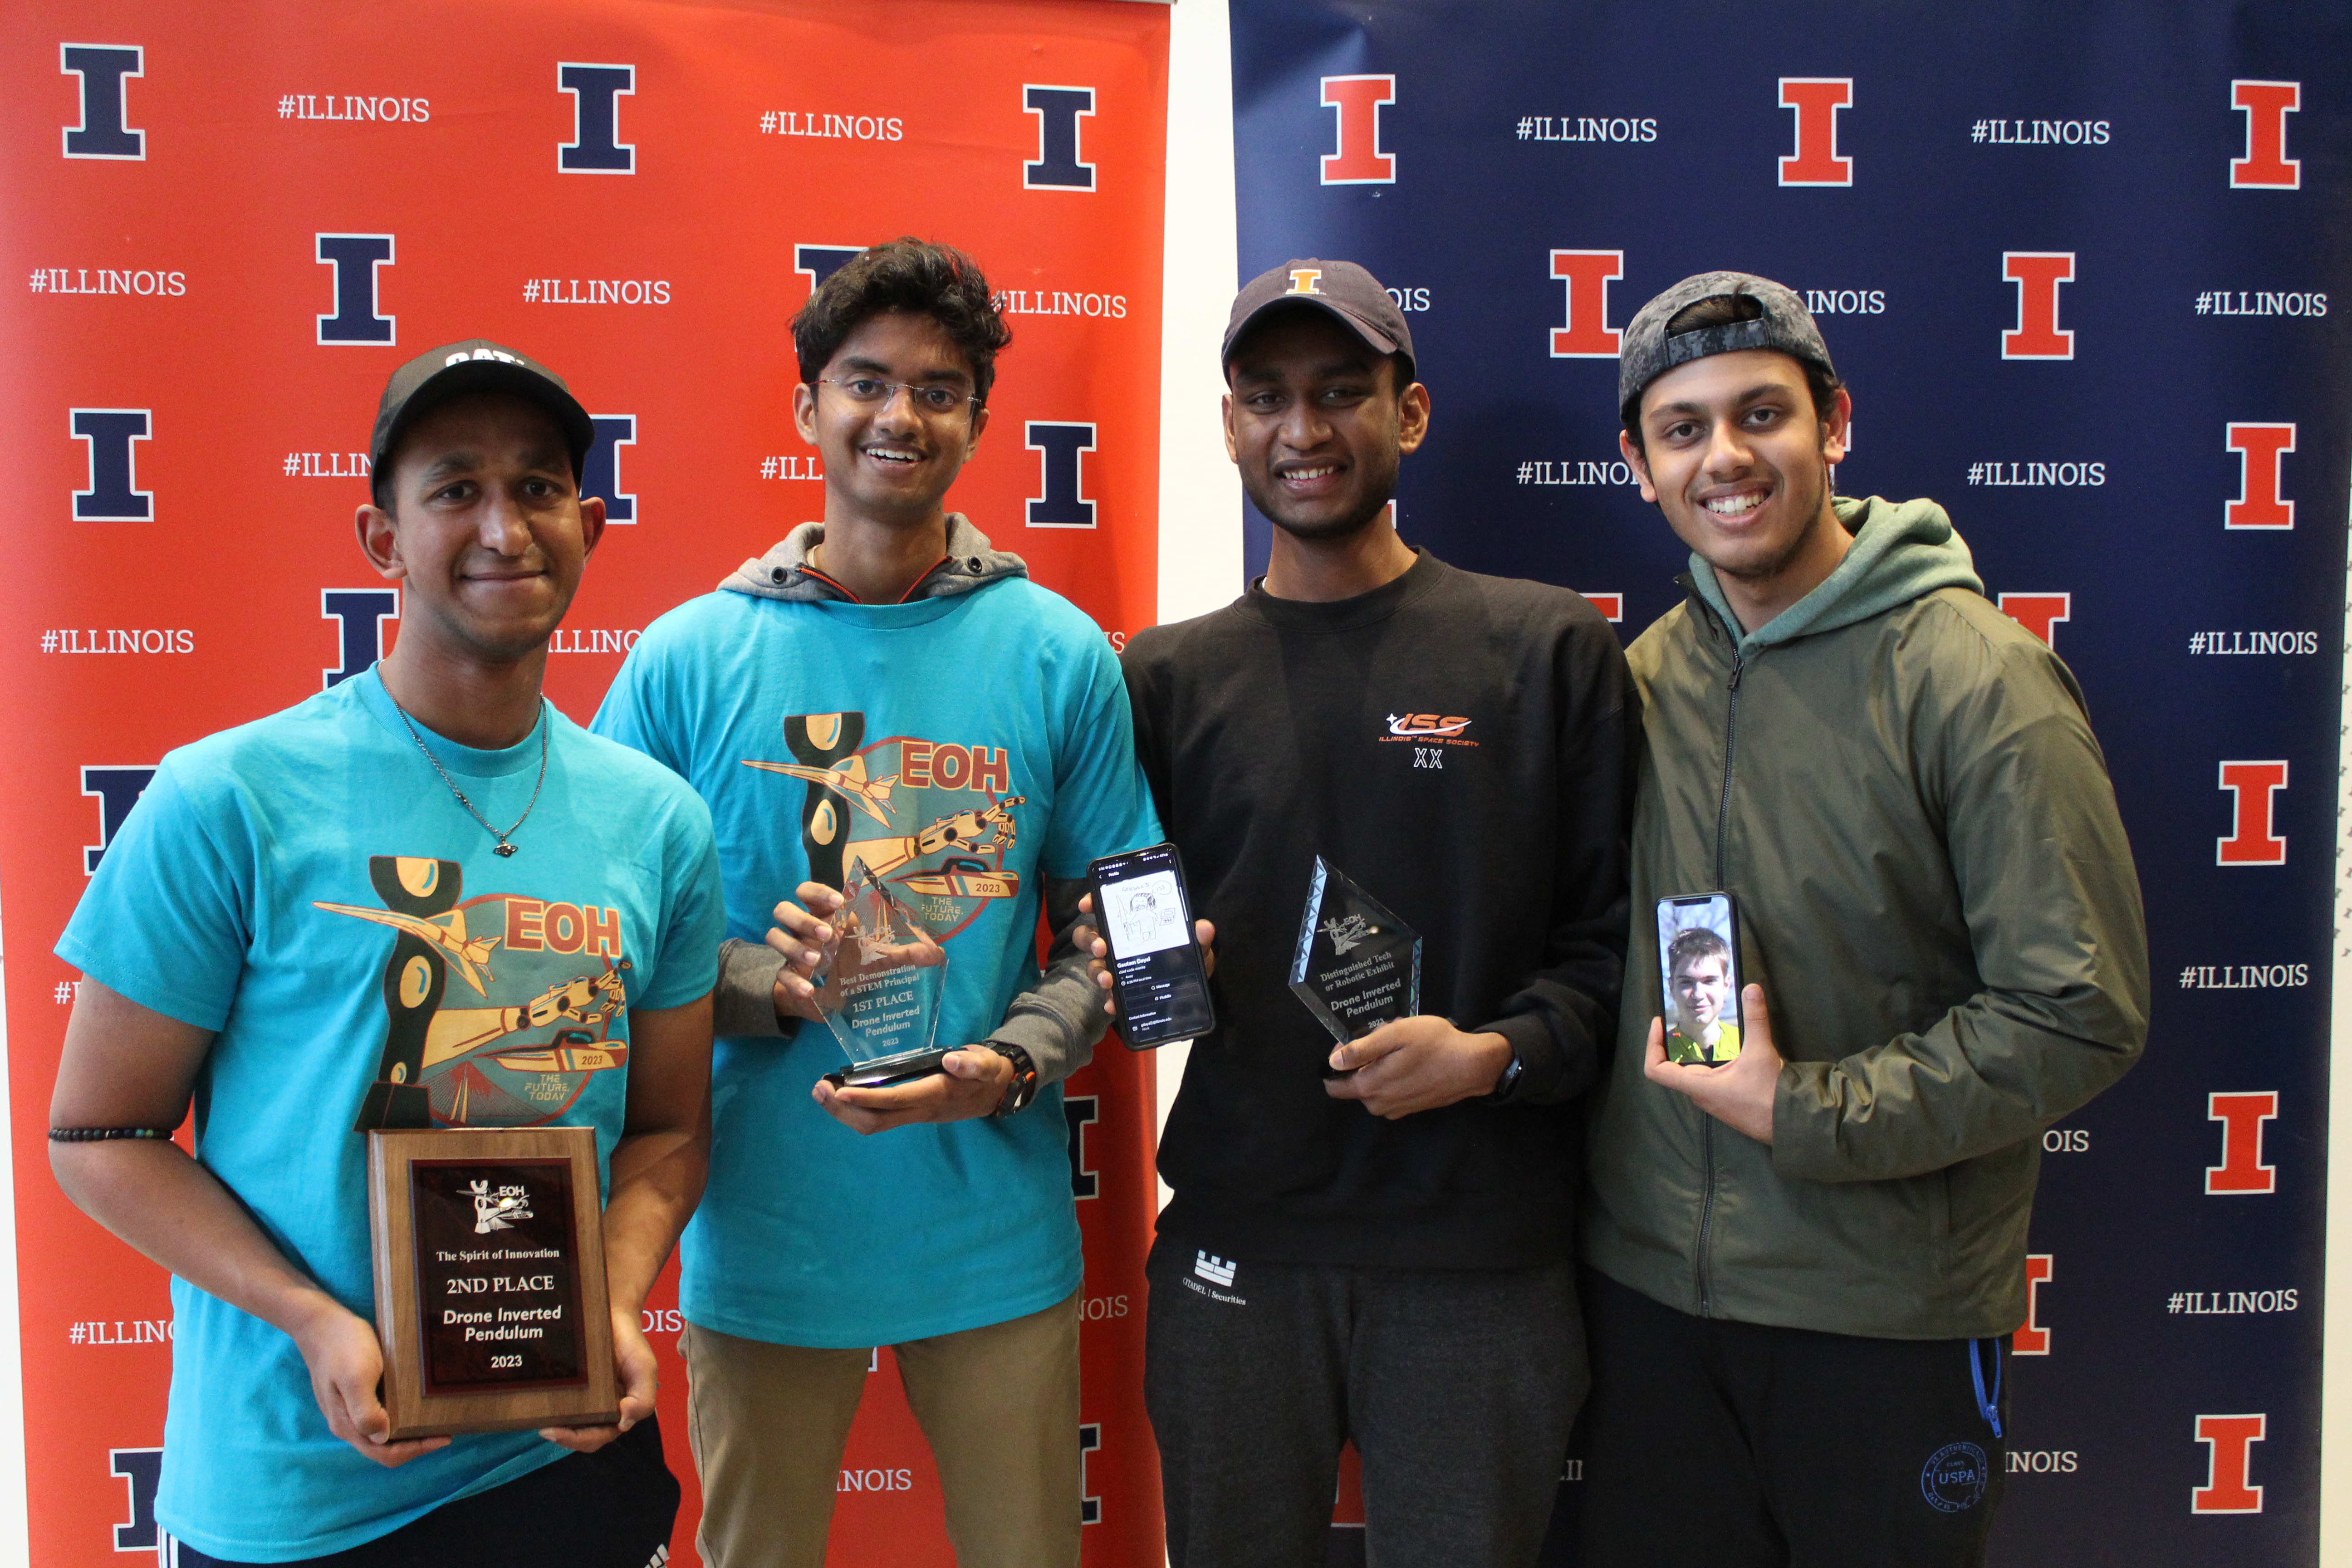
[(1146, 918), (1698, 973), (884, 1071)]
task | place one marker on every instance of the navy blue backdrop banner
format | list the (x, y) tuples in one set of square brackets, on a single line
[(2085, 271)]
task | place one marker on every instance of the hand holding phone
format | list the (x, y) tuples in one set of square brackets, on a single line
[(1145, 915), (1698, 971)]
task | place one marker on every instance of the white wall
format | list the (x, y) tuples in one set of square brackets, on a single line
[(1200, 494)]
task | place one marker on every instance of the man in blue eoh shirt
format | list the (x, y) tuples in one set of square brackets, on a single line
[(886, 698), (422, 896)]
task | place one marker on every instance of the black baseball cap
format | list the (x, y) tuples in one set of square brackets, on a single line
[(1769, 316), (477, 364), (1340, 289)]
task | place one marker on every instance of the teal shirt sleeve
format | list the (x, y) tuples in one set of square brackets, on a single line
[(167, 917), (634, 708), (694, 911), (1102, 805)]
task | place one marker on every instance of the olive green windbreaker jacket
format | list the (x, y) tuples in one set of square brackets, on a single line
[(1899, 786)]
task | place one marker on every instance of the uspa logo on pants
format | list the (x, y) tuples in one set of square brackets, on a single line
[(1954, 1480)]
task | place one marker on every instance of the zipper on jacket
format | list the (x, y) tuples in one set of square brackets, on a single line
[(1722, 880)]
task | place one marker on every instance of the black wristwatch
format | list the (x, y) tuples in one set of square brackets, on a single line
[(1509, 1081), (1023, 1087)]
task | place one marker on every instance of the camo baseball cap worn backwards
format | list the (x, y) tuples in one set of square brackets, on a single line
[(477, 364), (1772, 317), (1340, 289)]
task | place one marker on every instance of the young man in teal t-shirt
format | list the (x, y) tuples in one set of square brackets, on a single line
[(422, 878), (886, 697)]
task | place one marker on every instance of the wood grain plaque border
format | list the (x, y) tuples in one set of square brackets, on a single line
[(417, 1411)]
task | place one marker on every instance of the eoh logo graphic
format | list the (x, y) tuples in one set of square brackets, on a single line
[(2241, 1115), (1215, 1270), (117, 789), (1816, 99), (1058, 166), (2229, 1487), (359, 615), (103, 132), (356, 258), (1611, 606), (2039, 613), (498, 1210), (2033, 1339), (2266, 167), (1423, 726), (113, 495), (2253, 787), (1587, 334), (1359, 160), (2261, 501), (2037, 274), (819, 262), (1060, 447), (1346, 932), (600, 471), (596, 91)]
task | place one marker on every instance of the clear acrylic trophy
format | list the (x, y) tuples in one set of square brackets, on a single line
[(1357, 965), (880, 996)]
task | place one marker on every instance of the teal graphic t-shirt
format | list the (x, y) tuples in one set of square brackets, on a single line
[(955, 749), (260, 888)]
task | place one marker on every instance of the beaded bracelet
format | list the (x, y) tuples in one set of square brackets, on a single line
[(103, 1134)]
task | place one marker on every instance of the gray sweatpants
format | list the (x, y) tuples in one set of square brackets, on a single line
[(1457, 1386)]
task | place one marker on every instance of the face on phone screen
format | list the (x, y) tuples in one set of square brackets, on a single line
[(1699, 968)]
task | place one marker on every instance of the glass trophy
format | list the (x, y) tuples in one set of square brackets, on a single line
[(880, 996), (1357, 965)]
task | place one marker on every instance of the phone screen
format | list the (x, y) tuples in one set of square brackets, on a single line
[(1144, 915), (1698, 970)]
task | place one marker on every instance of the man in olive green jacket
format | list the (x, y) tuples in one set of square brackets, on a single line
[(1803, 1263)]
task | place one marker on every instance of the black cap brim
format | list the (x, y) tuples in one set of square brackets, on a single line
[(475, 376)]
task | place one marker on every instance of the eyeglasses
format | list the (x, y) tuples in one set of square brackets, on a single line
[(933, 400)]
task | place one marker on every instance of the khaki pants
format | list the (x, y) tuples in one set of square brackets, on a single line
[(998, 1404)]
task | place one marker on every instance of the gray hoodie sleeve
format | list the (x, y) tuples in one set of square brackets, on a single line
[(1058, 1019), (745, 1000)]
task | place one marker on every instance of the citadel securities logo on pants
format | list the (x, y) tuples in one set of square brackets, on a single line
[(1217, 1271)]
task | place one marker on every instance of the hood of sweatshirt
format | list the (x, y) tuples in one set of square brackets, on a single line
[(784, 572), (1901, 550)]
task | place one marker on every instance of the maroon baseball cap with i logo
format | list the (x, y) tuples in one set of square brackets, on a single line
[(1340, 289)]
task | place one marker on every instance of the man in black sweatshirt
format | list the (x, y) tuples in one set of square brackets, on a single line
[(1370, 1241)]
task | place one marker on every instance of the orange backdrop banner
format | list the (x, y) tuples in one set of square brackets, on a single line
[(237, 221)]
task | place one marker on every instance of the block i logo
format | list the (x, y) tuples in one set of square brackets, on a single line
[(104, 132), (113, 495), (356, 258), (359, 615), (1060, 110), (1060, 447), (596, 147)]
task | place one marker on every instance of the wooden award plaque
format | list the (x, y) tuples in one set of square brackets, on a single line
[(490, 1279)]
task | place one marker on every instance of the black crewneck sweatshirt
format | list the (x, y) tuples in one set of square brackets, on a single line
[(1276, 730)]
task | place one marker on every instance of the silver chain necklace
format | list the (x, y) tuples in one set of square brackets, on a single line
[(502, 848)]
